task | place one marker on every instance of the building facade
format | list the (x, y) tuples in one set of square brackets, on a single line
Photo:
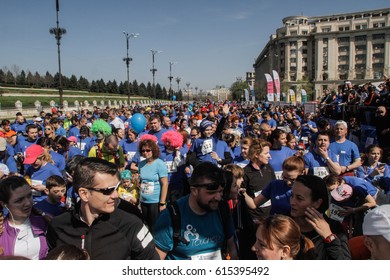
[(327, 50)]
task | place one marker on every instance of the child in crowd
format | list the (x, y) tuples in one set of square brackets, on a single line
[(128, 190), (55, 191)]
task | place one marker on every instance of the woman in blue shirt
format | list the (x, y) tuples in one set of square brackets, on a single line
[(153, 174)]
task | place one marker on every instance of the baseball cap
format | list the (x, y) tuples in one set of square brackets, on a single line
[(377, 222), (72, 139), (4, 168), (38, 119), (342, 192), (32, 153), (3, 144)]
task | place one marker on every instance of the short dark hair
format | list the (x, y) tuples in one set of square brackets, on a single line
[(318, 190), (207, 171), (55, 181), (85, 172), (10, 184)]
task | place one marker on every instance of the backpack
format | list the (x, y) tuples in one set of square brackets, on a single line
[(224, 213)]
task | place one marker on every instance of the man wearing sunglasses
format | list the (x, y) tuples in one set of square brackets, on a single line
[(205, 234), (96, 224)]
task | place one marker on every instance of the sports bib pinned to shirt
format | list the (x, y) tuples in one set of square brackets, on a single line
[(321, 171), (207, 146), (147, 187)]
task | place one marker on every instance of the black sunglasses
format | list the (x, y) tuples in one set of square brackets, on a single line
[(146, 150), (106, 191)]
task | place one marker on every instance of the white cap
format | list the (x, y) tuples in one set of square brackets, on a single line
[(377, 222)]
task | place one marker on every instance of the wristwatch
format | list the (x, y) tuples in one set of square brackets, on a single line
[(162, 203), (347, 168), (330, 238)]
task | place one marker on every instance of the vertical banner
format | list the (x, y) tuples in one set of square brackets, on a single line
[(246, 95), (277, 84), (292, 95), (304, 96), (252, 89), (270, 87)]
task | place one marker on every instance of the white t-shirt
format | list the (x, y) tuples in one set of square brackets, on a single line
[(26, 244)]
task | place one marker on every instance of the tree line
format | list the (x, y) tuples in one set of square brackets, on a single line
[(15, 77)]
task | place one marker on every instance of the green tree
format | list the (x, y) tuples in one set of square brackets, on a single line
[(9, 78), (49, 80), (142, 90), (2, 76), (237, 90), (73, 82), (149, 90), (21, 79), (159, 93), (135, 88)]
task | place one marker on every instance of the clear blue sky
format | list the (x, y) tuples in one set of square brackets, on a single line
[(212, 41)]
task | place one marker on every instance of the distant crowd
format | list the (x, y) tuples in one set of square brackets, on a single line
[(200, 180)]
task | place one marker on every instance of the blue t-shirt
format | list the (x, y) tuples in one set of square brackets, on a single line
[(158, 134), (240, 161), (19, 127), (74, 131), (175, 167), (202, 153), (59, 160), (312, 160), (279, 193), (49, 208), (306, 132), (42, 173), (365, 171), (347, 152), (60, 131), (204, 232), (150, 175), (359, 182), (129, 148), (278, 157)]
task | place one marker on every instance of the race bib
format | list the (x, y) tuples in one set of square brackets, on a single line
[(130, 155), (216, 255), (207, 146), (278, 175), (242, 165), (267, 204), (147, 187), (171, 166), (81, 146), (334, 211), (321, 171)]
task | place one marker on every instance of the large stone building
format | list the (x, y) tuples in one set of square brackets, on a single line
[(327, 50)]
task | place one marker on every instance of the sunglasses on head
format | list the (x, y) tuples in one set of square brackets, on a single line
[(106, 191), (146, 150)]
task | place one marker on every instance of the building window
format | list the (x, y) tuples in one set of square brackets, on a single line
[(343, 76), (360, 56), (378, 46), (344, 28), (294, 33), (326, 29), (293, 60), (304, 51), (378, 36), (343, 39), (360, 38), (343, 58), (325, 41), (343, 67), (293, 43), (360, 48), (378, 74), (378, 65), (344, 49), (378, 55), (379, 24), (293, 51), (325, 76), (293, 68), (304, 68), (360, 66), (305, 32), (293, 78)]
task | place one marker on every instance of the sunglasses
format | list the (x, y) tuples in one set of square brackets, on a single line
[(106, 191), (192, 135), (47, 128), (146, 151), (210, 186)]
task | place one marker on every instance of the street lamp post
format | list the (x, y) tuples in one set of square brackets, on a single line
[(178, 79), (127, 60), (58, 32), (154, 70), (239, 81), (170, 78), (188, 91)]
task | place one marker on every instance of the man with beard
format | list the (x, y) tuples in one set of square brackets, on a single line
[(204, 236)]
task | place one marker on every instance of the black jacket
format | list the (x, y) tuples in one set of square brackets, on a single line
[(116, 236)]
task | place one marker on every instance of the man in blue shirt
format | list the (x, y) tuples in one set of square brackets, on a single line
[(347, 151), (200, 221)]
